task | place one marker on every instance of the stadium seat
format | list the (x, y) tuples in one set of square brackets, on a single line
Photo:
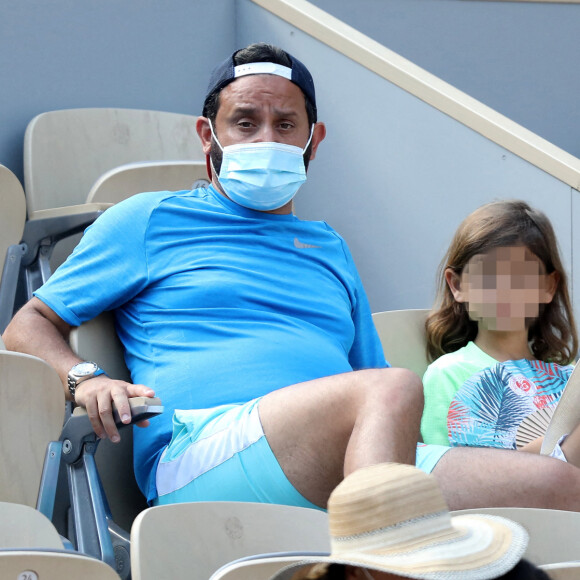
[(270, 564), (127, 180), (402, 334), (194, 540), (12, 219), (116, 499), (24, 527), (566, 414), (554, 534), (97, 340), (52, 565), (563, 570), (31, 416), (67, 151)]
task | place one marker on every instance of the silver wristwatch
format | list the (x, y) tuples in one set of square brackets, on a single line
[(81, 372)]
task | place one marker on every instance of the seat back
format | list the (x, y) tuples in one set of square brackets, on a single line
[(66, 151), (563, 570), (97, 340), (12, 212), (193, 540), (554, 534), (402, 334), (256, 568), (24, 527), (566, 414), (12, 220), (31, 415), (127, 180), (52, 565)]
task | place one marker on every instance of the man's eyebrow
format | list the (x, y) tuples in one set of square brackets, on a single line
[(250, 110), (244, 110)]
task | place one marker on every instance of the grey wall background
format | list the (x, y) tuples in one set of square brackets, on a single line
[(144, 54), (519, 58), (394, 176)]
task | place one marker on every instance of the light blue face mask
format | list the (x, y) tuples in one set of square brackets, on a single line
[(262, 176)]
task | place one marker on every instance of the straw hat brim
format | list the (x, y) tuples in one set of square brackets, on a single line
[(485, 547)]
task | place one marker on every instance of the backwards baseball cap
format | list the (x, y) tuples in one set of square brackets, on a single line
[(227, 72)]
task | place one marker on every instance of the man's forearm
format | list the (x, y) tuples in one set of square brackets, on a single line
[(32, 331)]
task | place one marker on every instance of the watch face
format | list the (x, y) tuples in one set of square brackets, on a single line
[(84, 368)]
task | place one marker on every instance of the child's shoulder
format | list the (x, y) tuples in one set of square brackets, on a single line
[(468, 355)]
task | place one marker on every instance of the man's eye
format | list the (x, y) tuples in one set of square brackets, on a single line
[(286, 126)]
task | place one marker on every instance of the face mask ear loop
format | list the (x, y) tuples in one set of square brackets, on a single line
[(367, 574), (307, 143), (209, 162), (216, 139)]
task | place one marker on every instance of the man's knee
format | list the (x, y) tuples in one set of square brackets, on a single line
[(556, 474), (395, 388)]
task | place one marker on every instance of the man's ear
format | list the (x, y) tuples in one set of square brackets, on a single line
[(454, 282), (204, 133), (552, 283), (318, 136)]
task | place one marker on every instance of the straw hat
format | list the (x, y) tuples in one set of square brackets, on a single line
[(393, 518)]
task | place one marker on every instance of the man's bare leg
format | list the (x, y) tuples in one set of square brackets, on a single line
[(473, 478), (324, 429)]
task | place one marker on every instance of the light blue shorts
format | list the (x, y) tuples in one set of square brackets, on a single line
[(221, 454)]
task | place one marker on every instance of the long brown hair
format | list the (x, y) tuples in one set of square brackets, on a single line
[(552, 336)]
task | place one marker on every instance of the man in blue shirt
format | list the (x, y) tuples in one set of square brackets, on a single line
[(252, 326)]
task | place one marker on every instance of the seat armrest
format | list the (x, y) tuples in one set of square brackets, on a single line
[(78, 429)]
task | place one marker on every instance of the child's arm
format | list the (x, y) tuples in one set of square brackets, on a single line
[(533, 446)]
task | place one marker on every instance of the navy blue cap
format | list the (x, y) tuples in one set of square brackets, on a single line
[(227, 71)]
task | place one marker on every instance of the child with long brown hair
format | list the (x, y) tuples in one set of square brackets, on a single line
[(503, 296)]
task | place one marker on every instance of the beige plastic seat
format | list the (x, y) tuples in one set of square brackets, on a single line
[(31, 415), (563, 570), (12, 219), (127, 180), (67, 151), (554, 534), (193, 540), (24, 527), (48, 565), (97, 340), (12, 212), (402, 334), (566, 415), (247, 570)]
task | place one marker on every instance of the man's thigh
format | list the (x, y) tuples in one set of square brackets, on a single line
[(222, 454)]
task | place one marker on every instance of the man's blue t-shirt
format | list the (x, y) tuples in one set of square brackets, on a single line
[(216, 303)]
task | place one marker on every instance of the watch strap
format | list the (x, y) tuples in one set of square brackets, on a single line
[(73, 382)]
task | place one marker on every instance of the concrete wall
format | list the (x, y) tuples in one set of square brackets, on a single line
[(142, 54), (395, 176), (519, 58)]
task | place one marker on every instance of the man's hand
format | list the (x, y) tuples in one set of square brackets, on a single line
[(97, 395)]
